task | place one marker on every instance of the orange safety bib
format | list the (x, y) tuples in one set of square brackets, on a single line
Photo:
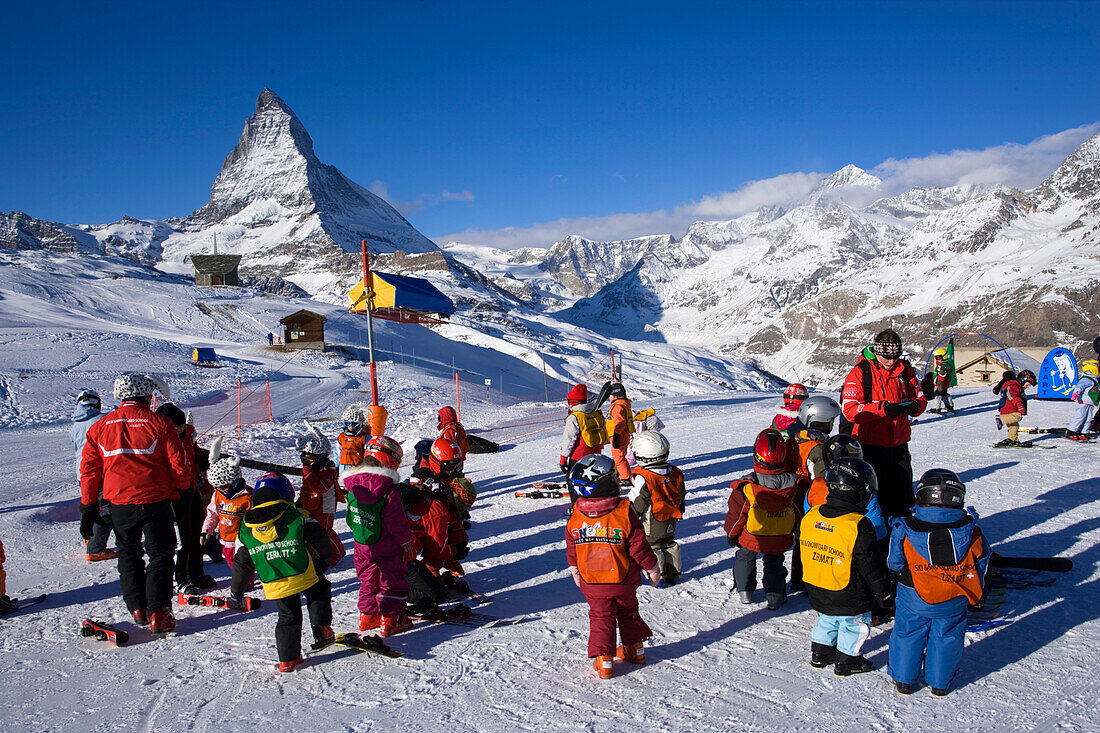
[(666, 493), (230, 514), (804, 449), (351, 449), (602, 554), (939, 583)]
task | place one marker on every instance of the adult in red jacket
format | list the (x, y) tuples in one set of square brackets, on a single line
[(880, 393), (136, 458)]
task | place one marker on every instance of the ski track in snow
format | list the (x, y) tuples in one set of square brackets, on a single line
[(714, 664)]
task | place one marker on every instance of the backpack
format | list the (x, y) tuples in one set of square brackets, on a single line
[(593, 428)]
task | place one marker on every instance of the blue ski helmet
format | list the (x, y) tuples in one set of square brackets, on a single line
[(276, 482)]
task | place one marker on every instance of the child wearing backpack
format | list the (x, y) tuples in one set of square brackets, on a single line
[(585, 432), (761, 519), (942, 557), (657, 495), (383, 540), (1087, 396)]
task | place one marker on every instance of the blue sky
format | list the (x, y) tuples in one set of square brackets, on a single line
[(512, 123)]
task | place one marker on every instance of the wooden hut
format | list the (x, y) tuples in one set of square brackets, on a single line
[(216, 269), (304, 330)]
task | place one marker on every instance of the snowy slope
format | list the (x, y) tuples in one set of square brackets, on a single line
[(714, 664)]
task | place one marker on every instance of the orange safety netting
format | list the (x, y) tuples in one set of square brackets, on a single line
[(245, 404)]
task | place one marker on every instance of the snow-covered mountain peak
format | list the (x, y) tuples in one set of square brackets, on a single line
[(848, 176), (1078, 177)]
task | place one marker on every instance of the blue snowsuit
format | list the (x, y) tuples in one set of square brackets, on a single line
[(931, 634), (1085, 405), (84, 416)]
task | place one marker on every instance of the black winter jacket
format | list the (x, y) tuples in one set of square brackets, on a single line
[(868, 581)]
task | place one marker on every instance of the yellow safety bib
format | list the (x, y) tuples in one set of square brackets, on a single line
[(826, 545)]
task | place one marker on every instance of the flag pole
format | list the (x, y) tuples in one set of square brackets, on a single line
[(369, 295)]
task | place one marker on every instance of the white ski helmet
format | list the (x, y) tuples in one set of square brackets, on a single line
[(819, 412), (129, 386), (224, 471), (650, 448), (89, 397), (353, 413), (314, 442)]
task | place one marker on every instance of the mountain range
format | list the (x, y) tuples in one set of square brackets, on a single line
[(794, 291)]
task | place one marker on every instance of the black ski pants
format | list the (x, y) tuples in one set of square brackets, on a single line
[(288, 629), (144, 587), (425, 589), (894, 469), (189, 517)]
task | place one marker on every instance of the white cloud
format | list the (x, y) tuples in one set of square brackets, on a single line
[(1010, 164)]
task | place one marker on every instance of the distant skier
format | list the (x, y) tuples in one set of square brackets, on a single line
[(287, 551), (880, 393), (942, 557), (658, 496), (88, 411), (843, 582), (620, 426), (270, 339), (607, 552), (761, 518), (943, 373), (1013, 404), (1087, 396), (793, 396), (136, 459)]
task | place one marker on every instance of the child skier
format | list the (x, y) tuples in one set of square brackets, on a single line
[(943, 373), (657, 495), (793, 397), (88, 411), (584, 433), (286, 550), (353, 438), (321, 487), (816, 416), (620, 426), (606, 548), (1087, 396), (232, 497), (1013, 404), (439, 532), (383, 541), (843, 582), (942, 557), (762, 518), (451, 429), (457, 494)]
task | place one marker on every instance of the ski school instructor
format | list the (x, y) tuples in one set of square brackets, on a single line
[(880, 394)]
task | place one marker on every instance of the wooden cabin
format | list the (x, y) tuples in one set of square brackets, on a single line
[(216, 269), (304, 330)]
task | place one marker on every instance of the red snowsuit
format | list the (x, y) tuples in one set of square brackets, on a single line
[(134, 456), (611, 604), (320, 492), (380, 567), (451, 429)]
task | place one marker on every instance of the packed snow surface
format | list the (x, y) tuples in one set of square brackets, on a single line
[(713, 664)]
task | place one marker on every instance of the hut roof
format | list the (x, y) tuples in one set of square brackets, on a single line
[(302, 316), (215, 264)]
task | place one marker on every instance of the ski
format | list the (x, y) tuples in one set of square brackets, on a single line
[(185, 599), (19, 605), (460, 590), (368, 644), (541, 494), (103, 632), (1021, 444), (1049, 564), (985, 625), (462, 615)]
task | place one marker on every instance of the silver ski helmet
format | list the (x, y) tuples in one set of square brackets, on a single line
[(819, 413), (89, 396)]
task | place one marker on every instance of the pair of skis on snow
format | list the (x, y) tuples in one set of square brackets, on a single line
[(118, 637), (368, 644), (543, 490), (1012, 573)]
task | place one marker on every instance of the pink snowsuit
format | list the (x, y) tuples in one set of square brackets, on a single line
[(381, 568)]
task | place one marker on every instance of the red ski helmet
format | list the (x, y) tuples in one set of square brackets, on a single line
[(769, 452), (385, 450), (578, 395), (795, 392), (445, 457)]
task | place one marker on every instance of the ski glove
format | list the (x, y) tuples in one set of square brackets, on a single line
[(909, 407), (564, 468), (461, 551), (892, 409), (89, 517)]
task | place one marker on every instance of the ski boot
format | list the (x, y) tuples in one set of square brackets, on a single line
[(939, 692), (821, 655), (775, 600), (141, 618), (368, 621), (162, 621), (903, 688), (846, 665), (604, 667), (745, 596), (288, 666), (395, 624), (100, 556), (322, 636), (7, 605), (633, 653)]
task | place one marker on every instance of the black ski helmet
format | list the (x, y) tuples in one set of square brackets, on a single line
[(617, 390), (840, 446), (940, 487), (853, 479), (595, 476)]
